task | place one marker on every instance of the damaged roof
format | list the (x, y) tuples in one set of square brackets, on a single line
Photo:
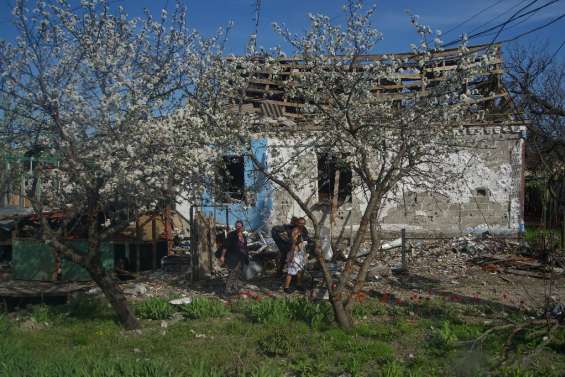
[(266, 94)]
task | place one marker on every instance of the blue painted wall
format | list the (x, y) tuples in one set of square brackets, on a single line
[(256, 214)]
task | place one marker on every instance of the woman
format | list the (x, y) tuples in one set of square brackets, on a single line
[(296, 260), (234, 255)]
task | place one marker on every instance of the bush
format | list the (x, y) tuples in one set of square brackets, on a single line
[(154, 308), (201, 308)]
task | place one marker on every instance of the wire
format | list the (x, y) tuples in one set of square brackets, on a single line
[(515, 16), (473, 16), (512, 18), (556, 51), (503, 24), (497, 16), (534, 30)]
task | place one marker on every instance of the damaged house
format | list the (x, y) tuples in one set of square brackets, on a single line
[(489, 195)]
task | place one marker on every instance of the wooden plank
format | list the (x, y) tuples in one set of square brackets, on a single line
[(22, 288), (528, 273)]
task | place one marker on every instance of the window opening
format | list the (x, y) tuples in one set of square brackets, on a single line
[(328, 165), (231, 177)]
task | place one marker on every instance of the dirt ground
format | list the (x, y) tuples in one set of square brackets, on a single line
[(483, 271)]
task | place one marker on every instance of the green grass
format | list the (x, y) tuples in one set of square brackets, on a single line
[(534, 235), (202, 308), (262, 339), (154, 308), (270, 310)]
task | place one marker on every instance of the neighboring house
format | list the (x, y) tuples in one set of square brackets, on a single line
[(23, 256), (490, 196)]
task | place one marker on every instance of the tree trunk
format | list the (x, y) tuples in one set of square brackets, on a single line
[(114, 294), (344, 320), (364, 270)]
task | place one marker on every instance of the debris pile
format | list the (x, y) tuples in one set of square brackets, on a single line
[(442, 258), (485, 243)]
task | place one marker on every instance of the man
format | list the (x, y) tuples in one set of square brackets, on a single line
[(234, 254), (301, 223), (282, 236)]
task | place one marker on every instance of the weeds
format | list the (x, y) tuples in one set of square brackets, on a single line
[(279, 343), (202, 308), (154, 308), (5, 325), (314, 314), (24, 365), (280, 311), (515, 372), (268, 311), (203, 369), (437, 308), (266, 371), (393, 369), (443, 338), (284, 336), (87, 308)]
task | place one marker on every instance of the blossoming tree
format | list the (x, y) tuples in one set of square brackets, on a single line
[(107, 93), (391, 119)]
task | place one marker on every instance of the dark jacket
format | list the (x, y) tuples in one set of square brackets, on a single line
[(282, 236), (235, 252)]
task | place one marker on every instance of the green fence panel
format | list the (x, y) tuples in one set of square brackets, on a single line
[(73, 272), (34, 260)]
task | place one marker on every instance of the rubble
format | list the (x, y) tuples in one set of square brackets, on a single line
[(179, 263), (181, 301), (475, 245), (251, 270), (136, 289), (470, 268), (94, 291)]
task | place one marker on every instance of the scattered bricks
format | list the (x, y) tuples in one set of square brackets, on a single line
[(489, 267)]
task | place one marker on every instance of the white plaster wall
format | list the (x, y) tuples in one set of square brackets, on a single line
[(496, 168)]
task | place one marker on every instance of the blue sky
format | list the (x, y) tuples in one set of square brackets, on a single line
[(390, 18)]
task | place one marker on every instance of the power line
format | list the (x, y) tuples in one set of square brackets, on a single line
[(497, 16), (557, 51), (513, 26), (514, 17), (534, 30), (473, 17)]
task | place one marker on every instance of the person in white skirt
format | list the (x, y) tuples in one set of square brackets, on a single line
[(296, 261)]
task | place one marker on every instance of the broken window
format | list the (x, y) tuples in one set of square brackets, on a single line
[(330, 170), (481, 191), (231, 178)]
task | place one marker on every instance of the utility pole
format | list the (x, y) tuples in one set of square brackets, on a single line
[(252, 43)]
